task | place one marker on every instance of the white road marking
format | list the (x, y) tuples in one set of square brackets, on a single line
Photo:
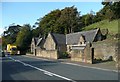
[(47, 73), (44, 71), (12, 58), (9, 57), (89, 67)]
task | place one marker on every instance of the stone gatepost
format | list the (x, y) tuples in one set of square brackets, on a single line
[(89, 53), (117, 57)]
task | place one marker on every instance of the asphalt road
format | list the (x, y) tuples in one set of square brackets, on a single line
[(27, 68)]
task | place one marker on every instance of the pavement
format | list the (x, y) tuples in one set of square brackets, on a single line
[(108, 65), (34, 68)]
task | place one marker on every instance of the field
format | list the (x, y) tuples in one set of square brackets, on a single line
[(112, 26)]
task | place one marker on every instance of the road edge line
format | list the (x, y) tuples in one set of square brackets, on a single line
[(44, 71)]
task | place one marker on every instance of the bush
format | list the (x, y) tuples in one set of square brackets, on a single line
[(64, 55), (29, 52)]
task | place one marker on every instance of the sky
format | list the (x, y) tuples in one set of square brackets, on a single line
[(28, 12)]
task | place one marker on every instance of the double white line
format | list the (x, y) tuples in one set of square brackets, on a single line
[(44, 71)]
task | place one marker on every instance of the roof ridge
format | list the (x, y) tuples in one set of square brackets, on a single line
[(96, 33), (53, 37), (72, 38), (83, 31), (58, 33)]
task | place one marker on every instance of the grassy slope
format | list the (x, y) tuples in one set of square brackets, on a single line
[(112, 26)]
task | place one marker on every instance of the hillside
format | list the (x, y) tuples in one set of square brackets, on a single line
[(112, 26)]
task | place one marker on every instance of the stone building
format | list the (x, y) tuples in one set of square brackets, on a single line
[(49, 47), (79, 45), (33, 44), (37, 42), (74, 42), (82, 38), (55, 42)]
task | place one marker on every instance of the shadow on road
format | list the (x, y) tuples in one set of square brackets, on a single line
[(12, 70)]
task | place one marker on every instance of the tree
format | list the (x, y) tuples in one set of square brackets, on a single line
[(116, 9), (48, 22), (111, 10), (60, 21), (88, 19), (24, 38), (4, 43), (69, 19), (35, 32), (9, 36), (11, 33)]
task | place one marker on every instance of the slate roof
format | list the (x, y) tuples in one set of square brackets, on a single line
[(59, 38), (73, 38), (69, 39), (40, 42), (36, 40)]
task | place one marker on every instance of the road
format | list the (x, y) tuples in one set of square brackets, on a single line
[(30, 68)]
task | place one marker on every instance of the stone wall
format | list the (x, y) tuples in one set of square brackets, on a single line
[(104, 51), (30, 54), (84, 55), (76, 55), (52, 54)]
